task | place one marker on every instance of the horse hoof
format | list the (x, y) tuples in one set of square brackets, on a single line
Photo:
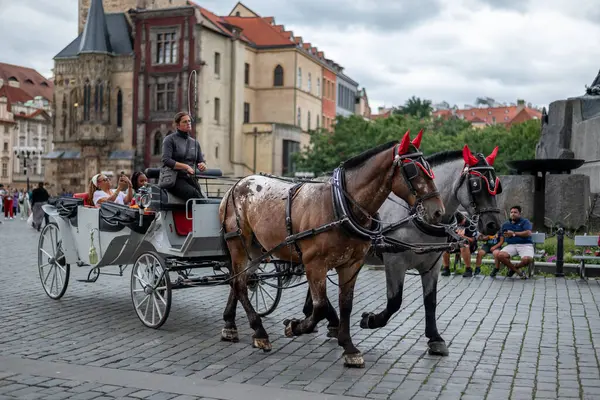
[(263, 344), (438, 349), (230, 335), (290, 324), (364, 322), (333, 332), (354, 360)]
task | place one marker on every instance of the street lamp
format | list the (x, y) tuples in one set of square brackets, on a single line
[(25, 155)]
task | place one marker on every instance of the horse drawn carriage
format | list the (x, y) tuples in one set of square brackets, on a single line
[(163, 238), (266, 232)]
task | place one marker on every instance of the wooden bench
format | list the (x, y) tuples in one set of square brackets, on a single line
[(585, 242), (536, 238)]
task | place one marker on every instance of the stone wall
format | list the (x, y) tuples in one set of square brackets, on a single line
[(567, 198)]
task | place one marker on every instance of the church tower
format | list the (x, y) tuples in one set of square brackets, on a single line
[(93, 91)]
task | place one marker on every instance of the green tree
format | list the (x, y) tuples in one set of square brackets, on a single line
[(353, 135), (416, 107)]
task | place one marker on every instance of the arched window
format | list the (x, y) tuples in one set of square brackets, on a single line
[(87, 100), (119, 109), (98, 99), (157, 148), (216, 152), (278, 76)]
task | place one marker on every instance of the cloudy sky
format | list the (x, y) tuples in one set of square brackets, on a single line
[(452, 50)]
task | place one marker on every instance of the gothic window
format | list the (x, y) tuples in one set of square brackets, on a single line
[(278, 76), (64, 110), (87, 100), (74, 111), (157, 148), (98, 100), (119, 109)]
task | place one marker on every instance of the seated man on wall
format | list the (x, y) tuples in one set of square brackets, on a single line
[(465, 230), (492, 245), (517, 235)]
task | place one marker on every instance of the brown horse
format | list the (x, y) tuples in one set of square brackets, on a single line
[(259, 213)]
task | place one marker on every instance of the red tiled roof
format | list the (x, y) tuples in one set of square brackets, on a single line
[(259, 31), (31, 81), (14, 95), (32, 115), (492, 115)]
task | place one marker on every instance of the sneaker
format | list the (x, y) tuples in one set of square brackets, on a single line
[(468, 273), (446, 271), (522, 275), (510, 273), (494, 272), (477, 271)]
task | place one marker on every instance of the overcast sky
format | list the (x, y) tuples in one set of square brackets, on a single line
[(452, 50)]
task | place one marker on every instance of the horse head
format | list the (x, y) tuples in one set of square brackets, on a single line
[(477, 188), (415, 182)]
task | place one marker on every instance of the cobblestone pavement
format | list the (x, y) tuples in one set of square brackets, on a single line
[(508, 338)]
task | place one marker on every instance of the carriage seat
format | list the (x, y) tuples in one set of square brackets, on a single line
[(154, 173), (86, 199)]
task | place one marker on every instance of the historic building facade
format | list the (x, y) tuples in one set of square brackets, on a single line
[(93, 100)]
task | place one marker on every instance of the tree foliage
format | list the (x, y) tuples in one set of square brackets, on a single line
[(415, 107), (353, 135)]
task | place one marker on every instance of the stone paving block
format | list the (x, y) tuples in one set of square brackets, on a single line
[(502, 335)]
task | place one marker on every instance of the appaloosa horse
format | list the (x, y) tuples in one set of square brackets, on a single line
[(334, 221), (465, 181)]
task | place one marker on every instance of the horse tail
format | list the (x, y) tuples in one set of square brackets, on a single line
[(223, 241)]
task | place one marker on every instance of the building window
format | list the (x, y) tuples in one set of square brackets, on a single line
[(309, 82), (217, 110), (278, 76), (119, 109), (246, 73), (288, 165), (299, 117), (246, 113), (318, 87), (87, 100), (300, 77), (308, 121), (166, 48), (216, 152), (5, 146), (98, 100), (157, 148), (165, 96), (318, 122), (217, 64), (4, 170)]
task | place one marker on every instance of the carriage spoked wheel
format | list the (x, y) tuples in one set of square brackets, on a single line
[(151, 289), (52, 266), (265, 288)]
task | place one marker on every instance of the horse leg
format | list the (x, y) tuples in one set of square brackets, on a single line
[(437, 345), (317, 281), (347, 279), (229, 332), (332, 317), (394, 279)]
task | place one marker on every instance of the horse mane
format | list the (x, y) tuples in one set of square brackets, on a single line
[(365, 155), (444, 156)]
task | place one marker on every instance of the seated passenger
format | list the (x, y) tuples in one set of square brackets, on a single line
[(99, 190), (182, 153), (138, 179)]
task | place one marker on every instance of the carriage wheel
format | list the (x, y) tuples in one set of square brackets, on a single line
[(265, 290), (52, 266), (151, 289)]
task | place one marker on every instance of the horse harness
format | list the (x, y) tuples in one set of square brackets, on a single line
[(344, 217)]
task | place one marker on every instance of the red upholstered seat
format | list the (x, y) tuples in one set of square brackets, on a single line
[(85, 197), (183, 226)]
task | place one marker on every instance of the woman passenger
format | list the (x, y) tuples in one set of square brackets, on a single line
[(182, 153), (138, 179), (99, 190)]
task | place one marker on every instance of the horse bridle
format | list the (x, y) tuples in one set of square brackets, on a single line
[(477, 212), (409, 165)]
